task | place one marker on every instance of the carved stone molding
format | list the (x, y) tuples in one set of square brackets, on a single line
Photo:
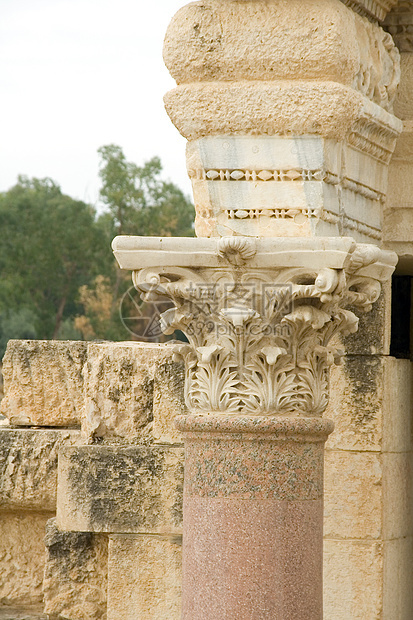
[(259, 314)]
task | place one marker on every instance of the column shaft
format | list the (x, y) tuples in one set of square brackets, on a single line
[(253, 517)]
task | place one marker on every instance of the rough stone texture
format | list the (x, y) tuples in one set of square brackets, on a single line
[(168, 400), (370, 404), (397, 576), (144, 577), (354, 498), (403, 106), (131, 388), (28, 613), (353, 580), (329, 109), (75, 578), (43, 382), (373, 335), (397, 217), (28, 467), (368, 560), (202, 45), (120, 489), (22, 558)]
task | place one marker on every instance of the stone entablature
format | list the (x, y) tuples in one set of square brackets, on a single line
[(303, 130)]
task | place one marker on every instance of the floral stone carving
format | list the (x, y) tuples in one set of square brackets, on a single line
[(259, 314)]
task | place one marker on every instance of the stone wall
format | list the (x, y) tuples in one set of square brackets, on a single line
[(91, 473), (91, 481)]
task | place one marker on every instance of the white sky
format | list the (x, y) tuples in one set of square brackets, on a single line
[(78, 74)]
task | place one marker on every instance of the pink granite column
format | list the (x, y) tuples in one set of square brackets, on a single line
[(253, 517)]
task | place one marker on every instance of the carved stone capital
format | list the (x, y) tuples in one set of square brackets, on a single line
[(259, 314)]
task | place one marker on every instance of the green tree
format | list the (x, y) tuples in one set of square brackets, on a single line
[(50, 247), (138, 202)]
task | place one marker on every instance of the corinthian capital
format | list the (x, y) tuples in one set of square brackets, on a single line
[(259, 314)]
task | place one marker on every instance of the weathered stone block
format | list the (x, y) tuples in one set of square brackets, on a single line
[(397, 579), (397, 495), (353, 574), (353, 495), (356, 403), (43, 382), (28, 467), (397, 405), (75, 578), (27, 613), (373, 335), (370, 403), (168, 401), (144, 577), (120, 489), (129, 388), (22, 558)]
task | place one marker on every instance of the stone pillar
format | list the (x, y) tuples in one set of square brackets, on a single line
[(253, 525), (259, 318), (287, 109)]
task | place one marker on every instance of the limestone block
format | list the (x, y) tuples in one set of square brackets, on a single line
[(126, 391), (397, 579), (400, 188), (353, 574), (75, 578), (403, 106), (168, 400), (217, 41), (26, 613), (397, 495), (28, 467), (356, 403), (301, 108), (398, 391), (120, 489), (144, 577), (373, 335), (370, 404), (353, 497), (22, 557), (43, 382), (398, 224)]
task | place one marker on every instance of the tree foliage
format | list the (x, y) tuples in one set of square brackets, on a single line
[(58, 278)]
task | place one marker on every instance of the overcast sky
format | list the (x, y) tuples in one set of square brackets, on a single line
[(78, 74)]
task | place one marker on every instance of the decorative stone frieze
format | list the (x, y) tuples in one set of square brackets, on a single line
[(259, 314)]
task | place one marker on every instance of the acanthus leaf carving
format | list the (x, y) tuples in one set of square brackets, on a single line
[(259, 336)]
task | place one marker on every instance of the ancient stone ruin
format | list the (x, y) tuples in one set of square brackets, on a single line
[(116, 457)]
